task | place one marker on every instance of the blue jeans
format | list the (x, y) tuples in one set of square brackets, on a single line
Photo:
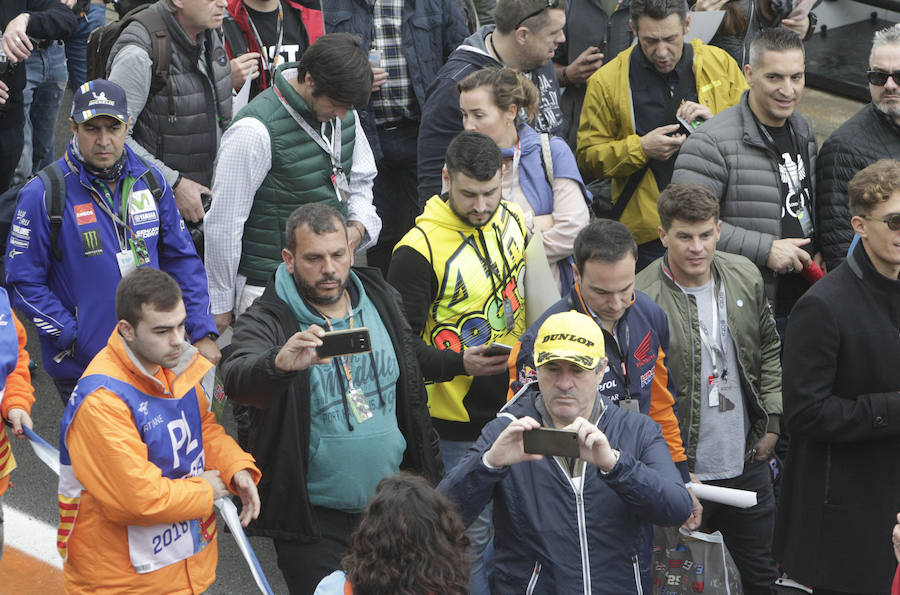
[(76, 46), (46, 81), (480, 532)]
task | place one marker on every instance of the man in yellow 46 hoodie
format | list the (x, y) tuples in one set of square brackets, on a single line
[(630, 120), (142, 457), (459, 272)]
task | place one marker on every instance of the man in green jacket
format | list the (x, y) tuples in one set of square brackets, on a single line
[(625, 133), (724, 361)]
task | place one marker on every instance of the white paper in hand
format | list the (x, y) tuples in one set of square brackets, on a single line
[(242, 97), (727, 496)]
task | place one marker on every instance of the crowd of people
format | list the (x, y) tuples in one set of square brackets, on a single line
[(638, 248)]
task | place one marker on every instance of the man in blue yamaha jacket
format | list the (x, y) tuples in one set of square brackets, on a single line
[(563, 524), (111, 224)]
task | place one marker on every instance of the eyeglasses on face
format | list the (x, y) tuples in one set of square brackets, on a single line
[(879, 77), (549, 4), (892, 220)]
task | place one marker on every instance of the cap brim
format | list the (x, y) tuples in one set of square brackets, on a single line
[(584, 362), (86, 115)]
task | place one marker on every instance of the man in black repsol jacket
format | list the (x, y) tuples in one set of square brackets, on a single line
[(19, 21), (326, 431)]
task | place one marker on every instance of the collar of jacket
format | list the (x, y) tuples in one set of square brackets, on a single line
[(179, 37), (293, 98), (670, 278), (438, 211), (861, 265), (186, 374), (752, 135), (886, 120)]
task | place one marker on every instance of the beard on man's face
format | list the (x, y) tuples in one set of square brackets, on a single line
[(315, 293)]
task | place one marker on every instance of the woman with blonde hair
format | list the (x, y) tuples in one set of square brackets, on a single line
[(540, 173)]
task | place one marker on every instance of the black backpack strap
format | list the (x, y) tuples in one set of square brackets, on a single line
[(547, 158), (627, 192), (160, 52), (54, 182), (234, 38)]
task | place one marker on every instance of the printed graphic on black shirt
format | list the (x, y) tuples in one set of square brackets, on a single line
[(293, 42), (796, 211)]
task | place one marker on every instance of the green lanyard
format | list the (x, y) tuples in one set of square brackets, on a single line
[(125, 188)]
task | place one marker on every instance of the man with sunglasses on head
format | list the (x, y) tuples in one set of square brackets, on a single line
[(873, 133), (841, 492), (525, 38)]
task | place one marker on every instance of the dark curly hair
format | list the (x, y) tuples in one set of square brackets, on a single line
[(410, 541)]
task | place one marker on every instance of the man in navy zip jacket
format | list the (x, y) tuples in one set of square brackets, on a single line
[(564, 524), (111, 224)]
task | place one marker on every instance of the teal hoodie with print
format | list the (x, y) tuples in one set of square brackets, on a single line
[(348, 458)]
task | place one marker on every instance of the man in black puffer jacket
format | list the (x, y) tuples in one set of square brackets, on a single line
[(873, 133)]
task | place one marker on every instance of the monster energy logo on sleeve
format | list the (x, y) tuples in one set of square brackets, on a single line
[(90, 243)]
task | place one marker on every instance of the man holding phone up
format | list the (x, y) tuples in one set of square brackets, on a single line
[(563, 524), (325, 431)]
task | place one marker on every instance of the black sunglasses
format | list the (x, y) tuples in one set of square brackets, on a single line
[(892, 220), (550, 4), (879, 78)]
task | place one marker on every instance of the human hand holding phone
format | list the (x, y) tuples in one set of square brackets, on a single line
[(509, 449)]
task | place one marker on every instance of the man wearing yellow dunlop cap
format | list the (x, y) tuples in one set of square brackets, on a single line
[(563, 523)]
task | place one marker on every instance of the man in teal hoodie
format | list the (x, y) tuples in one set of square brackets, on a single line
[(326, 431)]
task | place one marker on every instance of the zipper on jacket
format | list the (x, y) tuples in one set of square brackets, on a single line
[(532, 583), (582, 528), (827, 471), (687, 444)]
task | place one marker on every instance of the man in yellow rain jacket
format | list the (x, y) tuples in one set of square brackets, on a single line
[(630, 120)]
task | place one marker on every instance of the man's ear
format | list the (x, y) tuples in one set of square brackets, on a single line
[(748, 73), (521, 35), (288, 259), (126, 330), (445, 176), (859, 226), (663, 236)]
